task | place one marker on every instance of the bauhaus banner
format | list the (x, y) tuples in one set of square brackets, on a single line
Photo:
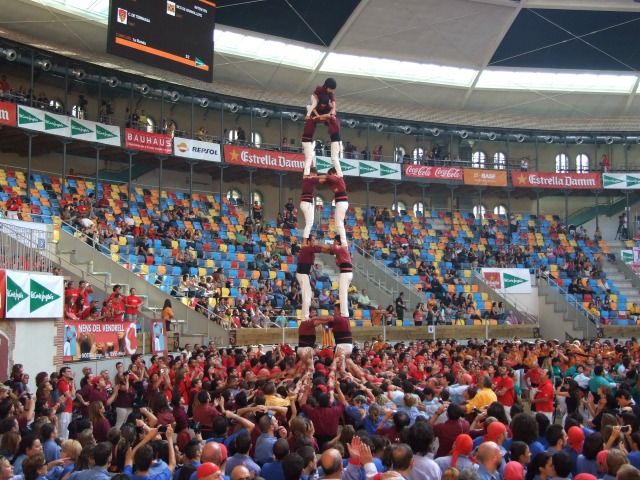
[(196, 149), (556, 180), (251, 157)]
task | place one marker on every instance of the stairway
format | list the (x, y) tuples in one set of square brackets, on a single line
[(620, 278)]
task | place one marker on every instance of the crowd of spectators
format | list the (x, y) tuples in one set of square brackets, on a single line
[(425, 410)]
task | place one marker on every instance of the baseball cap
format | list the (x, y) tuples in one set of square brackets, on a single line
[(207, 469), (95, 380)]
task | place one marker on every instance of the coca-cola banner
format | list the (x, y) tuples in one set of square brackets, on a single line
[(251, 157), (148, 142), (556, 180), (433, 173), (487, 178)]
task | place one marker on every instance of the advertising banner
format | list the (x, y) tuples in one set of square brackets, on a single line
[(196, 149), (434, 173), (508, 280), (159, 338), (487, 178), (33, 295), (148, 142), (362, 168), (3, 291), (94, 132), (8, 114), (555, 180), (43, 121), (621, 180), (251, 157), (98, 340)]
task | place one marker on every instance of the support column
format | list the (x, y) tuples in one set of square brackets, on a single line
[(537, 190), (131, 153), (65, 142), (395, 195), (222, 166), (280, 206), (480, 189), (367, 183), (162, 158), (566, 207), (98, 147), (509, 189), (424, 187), (250, 170), (191, 164), (597, 193), (452, 187), (30, 136)]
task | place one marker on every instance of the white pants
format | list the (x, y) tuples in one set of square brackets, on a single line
[(121, 416), (347, 348), (341, 212), (308, 213), (306, 292), (64, 419), (549, 415), (343, 292), (12, 215), (309, 156)]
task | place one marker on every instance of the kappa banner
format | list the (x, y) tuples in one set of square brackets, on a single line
[(555, 180), (147, 142), (487, 178), (621, 180), (508, 280), (433, 173), (196, 149), (98, 340), (94, 132), (43, 121), (362, 168), (8, 114), (251, 157), (33, 295)]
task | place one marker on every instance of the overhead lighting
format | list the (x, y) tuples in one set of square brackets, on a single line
[(463, 133), (234, 107), (491, 135), (520, 138), (407, 129), (352, 123), (144, 89), (174, 96), (294, 116), (263, 112), (435, 132), (8, 54), (378, 126), (78, 74), (203, 102), (44, 63), (549, 139), (112, 81)]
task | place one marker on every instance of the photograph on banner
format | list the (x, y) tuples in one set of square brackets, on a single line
[(252, 157), (99, 340), (487, 178), (621, 180), (508, 280), (159, 338), (197, 149), (555, 180)]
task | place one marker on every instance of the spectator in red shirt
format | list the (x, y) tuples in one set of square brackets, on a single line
[(84, 290), (132, 305), (117, 305), (543, 399), (71, 291), (13, 206), (504, 388)]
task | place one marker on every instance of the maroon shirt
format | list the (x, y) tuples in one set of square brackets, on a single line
[(320, 90), (343, 257), (308, 187), (339, 188), (341, 329), (306, 334), (325, 419), (307, 257), (447, 433)]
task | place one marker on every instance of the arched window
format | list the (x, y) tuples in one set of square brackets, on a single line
[(582, 163), (562, 163), (418, 155), (256, 139), (478, 159), (56, 106), (151, 124), (418, 209), (401, 207), (499, 161), (400, 153), (257, 197), (479, 211), (500, 210), (77, 112), (234, 195)]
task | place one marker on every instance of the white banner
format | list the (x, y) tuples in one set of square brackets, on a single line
[(621, 180), (43, 121), (34, 295), (362, 168), (17, 305), (196, 149), (94, 132), (508, 280)]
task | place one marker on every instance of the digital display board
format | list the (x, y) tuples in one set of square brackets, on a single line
[(175, 35)]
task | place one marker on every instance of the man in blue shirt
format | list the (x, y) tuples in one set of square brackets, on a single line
[(102, 458), (50, 448), (273, 470), (264, 444), (192, 453), (142, 457), (243, 445), (489, 458), (220, 428)]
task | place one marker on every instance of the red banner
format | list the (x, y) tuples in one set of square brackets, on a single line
[(556, 180), (492, 279), (436, 173), (148, 142), (8, 114), (98, 340), (3, 292), (488, 178), (159, 338), (250, 157)]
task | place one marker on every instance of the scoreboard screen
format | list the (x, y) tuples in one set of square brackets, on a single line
[(174, 35)]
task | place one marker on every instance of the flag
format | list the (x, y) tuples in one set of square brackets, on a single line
[(327, 337)]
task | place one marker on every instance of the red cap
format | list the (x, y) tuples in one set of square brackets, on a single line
[(602, 456), (376, 361), (95, 380), (264, 373), (322, 388), (207, 469)]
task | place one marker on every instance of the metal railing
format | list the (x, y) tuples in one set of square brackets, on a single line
[(21, 247)]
